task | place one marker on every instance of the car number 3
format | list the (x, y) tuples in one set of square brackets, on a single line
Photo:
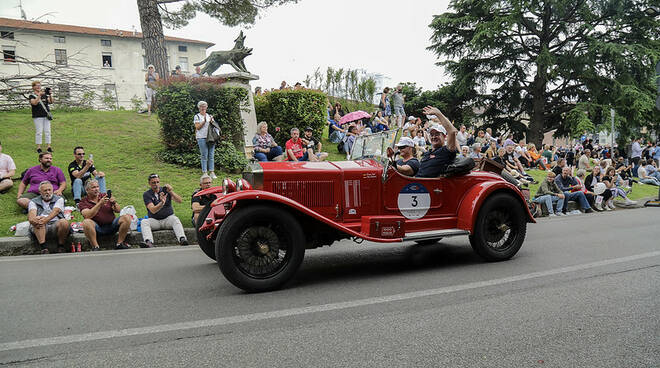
[(414, 202)]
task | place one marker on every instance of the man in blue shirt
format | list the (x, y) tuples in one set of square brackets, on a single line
[(444, 146), (407, 164), (566, 183)]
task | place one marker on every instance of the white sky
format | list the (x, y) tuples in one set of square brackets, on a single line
[(388, 37)]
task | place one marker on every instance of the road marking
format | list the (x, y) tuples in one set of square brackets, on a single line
[(67, 339), (102, 253)]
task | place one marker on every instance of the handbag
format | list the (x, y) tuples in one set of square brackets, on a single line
[(213, 134)]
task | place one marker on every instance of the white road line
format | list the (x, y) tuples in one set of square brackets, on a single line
[(48, 341), (102, 253)]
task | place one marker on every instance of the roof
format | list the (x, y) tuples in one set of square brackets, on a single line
[(53, 27)]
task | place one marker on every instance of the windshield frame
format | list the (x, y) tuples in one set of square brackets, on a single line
[(374, 146)]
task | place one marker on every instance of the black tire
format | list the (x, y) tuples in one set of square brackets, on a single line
[(500, 229), (259, 248), (428, 241), (208, 247)]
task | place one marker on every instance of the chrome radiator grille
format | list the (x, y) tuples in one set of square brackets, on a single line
[(308, 193)]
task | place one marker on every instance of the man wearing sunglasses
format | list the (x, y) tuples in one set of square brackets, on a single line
[(161, 214), (81, 170)]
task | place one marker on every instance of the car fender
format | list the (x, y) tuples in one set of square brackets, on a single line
[(474, 198), (258, 195)]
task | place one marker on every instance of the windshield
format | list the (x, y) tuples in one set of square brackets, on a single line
[(373, 145)]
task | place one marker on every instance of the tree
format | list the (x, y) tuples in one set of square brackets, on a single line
[(542, 59), (154, 12), (454, 103)]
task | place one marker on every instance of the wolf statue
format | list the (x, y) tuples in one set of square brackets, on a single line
[(233, 57)]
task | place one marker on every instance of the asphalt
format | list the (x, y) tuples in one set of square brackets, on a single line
[(581, 292)]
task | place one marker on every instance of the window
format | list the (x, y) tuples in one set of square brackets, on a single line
[(63, 91), (59, 39), (110, 87), (106, 59), (183, 48), (9, 54), (6, 35), (60, 57), (106, 43), (183, 62)]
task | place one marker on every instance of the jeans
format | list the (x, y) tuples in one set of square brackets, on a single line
[(207, 153), (577, 197), (336, 136), (649, 180), (79, 189), (549, 199), (655, 174), (274, 152)]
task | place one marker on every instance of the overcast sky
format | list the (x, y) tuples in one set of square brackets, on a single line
[(388, 37)]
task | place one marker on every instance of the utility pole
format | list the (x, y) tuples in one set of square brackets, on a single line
[(612, 116)]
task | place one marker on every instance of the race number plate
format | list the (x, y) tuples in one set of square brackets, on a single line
[(414, 201)]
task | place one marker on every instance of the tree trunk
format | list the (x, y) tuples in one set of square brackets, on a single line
[(154, 40), (537, 120)]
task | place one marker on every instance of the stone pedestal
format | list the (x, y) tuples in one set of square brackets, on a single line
[(248, 114)]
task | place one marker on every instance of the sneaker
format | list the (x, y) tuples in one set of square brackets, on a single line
[(45, 251), (49, 149), (560, 214), (212, 175), (146, 244), (630, 201), (552, 215), (122, 246), (610, 204), (607, 208), (183, 241), (577, 212), (39, 150), (598, 207), (588, 210), (94, 249)]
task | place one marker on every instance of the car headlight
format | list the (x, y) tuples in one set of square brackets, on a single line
[(228, 186), (243, 184)]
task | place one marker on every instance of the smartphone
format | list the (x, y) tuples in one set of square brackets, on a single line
[(109, 193), (91, 156)]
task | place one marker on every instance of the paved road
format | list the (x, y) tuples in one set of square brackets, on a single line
[(582, 292)]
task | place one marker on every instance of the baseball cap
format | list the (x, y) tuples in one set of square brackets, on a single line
[(405, 142), (439, 128), (431, 117), (411, 118), (309, 128)]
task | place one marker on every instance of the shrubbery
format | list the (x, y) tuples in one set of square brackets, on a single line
[(287, 109), (177, 106)]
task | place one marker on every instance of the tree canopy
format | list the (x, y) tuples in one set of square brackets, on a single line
[(533, 65)]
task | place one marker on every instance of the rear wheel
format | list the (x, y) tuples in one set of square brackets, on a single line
[(500, 229), (259, 248), (205, 245)]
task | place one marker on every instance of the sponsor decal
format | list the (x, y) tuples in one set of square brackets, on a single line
[(414, 201)]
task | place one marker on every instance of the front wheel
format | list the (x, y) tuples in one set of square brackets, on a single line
[(500, 228), (205, 245), (259, 248)]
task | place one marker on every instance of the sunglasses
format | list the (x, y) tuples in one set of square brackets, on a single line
[(80, 154)]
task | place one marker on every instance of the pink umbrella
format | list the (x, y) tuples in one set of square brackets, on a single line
[(352, 116)]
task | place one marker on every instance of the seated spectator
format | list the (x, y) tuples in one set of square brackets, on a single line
[(295, 147), (567, 184), (46, 217), (513, 164), (349, 139), (420, 143), (476, 151), (652, 169), (535, 156), (465, 152), (609, 179), (197, 204), (410, 127), (587, 187), (604, 165), (37, 174), (80, 171), (512, 176), (313, 146), (644, 178), (158, 201), (265, 147), (407, 164), (462, 136), (379, 123), (548, 153), (549, 193), (656, 153), (559, 165), (624, 171), (584, 161), (335, 132), (337, 110), (491, 151), (7, 170), (521, 154), (481, 138), (99, 210)]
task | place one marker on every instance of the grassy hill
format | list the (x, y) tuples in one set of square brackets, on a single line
[(124, 145)]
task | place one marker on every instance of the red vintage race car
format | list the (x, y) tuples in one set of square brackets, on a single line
[(259, 227)]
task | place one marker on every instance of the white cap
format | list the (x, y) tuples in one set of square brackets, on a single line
[(431, 117), (405, 142), (411, 118), (439, 128)]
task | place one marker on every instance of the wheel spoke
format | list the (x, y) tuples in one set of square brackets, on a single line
[(259, 252)]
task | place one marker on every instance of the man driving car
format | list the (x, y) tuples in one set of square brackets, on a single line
[(444, 146)]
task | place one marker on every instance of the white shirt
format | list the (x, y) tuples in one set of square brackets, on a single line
[(636, 150), (419, 141), (204, 131), (6, 165), (462, 137), (59, 204), (641, 172)]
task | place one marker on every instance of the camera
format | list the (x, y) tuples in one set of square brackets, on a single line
[(47, 91)]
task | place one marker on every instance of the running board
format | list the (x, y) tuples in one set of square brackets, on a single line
[(435, 234)]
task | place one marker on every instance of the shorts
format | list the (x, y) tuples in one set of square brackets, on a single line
[(107, 229), (398, 111), (30, 195), (51, 229), (150, 94)]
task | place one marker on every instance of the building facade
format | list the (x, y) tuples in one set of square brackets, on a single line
[(114, 59)]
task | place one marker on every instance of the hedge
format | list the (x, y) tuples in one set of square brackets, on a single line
[(177, 106), (287, 109)]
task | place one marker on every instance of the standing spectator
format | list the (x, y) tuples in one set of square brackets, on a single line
[(462, 136), (197, 203), (656, 153), (197, 73), (80, 171), (568, 184), (549, 193), (294, 147), (7, 170), (298, 86), (204, 122), (398, 100), (584, 162), (257, 91), (99, 210), (46, 217), (385, 102), (265, 147), (407, 164), (41, 115), (636, 154), (45, 171), (283, 85), (177, 71), (158, 201), (313, 146), (150, 77)]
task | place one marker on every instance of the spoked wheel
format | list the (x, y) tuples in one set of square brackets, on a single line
[(259, 248), (205, 245), (500, 228)]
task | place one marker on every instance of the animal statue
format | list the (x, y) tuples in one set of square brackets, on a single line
[(233, 57)]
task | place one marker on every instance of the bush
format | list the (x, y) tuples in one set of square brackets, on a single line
[(177, 106), (287, 109)]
